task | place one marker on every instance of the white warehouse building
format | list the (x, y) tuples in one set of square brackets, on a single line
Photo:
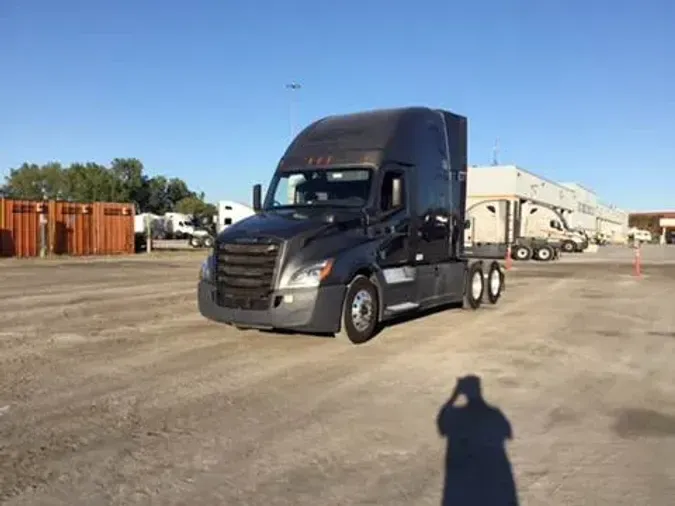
[(596, 217), (579, 205)]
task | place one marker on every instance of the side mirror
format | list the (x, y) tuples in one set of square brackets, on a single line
[(396, 193), (467, 224), (257, 198)]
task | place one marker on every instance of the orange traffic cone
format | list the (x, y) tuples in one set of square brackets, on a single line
[(637, 261)]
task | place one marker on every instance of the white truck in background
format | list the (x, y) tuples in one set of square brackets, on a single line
[(156, 224), (531, 230), (178, 225), (199, 231), (206, 228), (639, 236), (230, 212)]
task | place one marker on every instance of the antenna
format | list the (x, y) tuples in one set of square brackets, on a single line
[(495, 153)]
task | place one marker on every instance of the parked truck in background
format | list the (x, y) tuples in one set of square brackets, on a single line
[(230, 212), (371, 229), (531, 230), (639, 236)]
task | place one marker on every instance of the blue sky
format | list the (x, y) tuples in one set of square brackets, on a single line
[(575, 90)]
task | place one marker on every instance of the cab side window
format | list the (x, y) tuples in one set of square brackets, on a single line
[(386, 191)]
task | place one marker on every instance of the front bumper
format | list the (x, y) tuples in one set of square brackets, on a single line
[(309, 310)]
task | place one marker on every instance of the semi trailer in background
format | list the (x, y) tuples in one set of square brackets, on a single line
[(230, 212), (363, 221), (530, 230)]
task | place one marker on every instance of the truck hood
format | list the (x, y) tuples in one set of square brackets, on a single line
[(284, 227)]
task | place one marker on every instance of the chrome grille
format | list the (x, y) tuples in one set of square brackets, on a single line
[(245, 273)]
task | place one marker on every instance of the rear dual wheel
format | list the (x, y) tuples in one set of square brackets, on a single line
[(495, 283), (477, 287), (474, 287), (521, 253), (544, 254)]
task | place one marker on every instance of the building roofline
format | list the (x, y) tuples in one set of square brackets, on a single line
[(567, 184), (528, 172), (652, 213)]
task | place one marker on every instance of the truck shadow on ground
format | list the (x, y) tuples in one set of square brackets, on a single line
[(382, 327), (477, 467), (421, 314)]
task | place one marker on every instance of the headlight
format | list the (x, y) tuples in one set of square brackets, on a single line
[(312, 275), (208, 269)]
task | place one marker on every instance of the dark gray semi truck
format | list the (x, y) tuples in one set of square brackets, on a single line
[(363, 221)]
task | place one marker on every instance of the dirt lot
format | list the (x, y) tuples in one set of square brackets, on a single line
[(113, 390)]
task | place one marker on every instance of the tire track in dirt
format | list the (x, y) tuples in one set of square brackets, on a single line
[(84, 293), (103, 303)]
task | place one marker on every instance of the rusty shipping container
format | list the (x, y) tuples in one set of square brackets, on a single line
[(19, 228), (73, 228)]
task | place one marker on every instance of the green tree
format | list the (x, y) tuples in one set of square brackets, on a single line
[(195, 206), (158, 197), (130, 183), (177, 190), (123, 181), (87, 182), (30, 181)]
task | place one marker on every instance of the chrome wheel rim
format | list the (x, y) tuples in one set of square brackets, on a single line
[(521, 253), (495, 282), (477, 285), (362, 310), (544, 254)]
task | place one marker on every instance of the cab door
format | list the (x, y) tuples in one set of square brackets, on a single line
[(395, 231)]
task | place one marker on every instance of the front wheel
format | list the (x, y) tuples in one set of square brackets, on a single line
[(568, 247), (359, 311)]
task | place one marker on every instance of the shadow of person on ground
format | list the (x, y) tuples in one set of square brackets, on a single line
[(477, 468)]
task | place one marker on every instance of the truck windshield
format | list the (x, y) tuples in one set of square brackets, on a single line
[(320, 188)]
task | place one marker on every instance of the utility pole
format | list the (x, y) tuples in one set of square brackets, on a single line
[(292, 87), (495, 153), (43, 223)]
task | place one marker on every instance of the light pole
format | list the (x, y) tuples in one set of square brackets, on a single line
[(292, 87)]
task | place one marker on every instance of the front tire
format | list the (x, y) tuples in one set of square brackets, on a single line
[(359, 311), (474, 287), (568, 247)]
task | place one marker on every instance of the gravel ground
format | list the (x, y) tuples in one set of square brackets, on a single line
[(113, 390)]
